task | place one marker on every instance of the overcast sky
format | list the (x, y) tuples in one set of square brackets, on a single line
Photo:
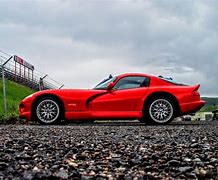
[(81, 42)]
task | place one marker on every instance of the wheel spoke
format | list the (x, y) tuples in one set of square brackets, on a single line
[(47, 111), (161, 110)]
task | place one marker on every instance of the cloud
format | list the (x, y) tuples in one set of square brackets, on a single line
[(81, 42)]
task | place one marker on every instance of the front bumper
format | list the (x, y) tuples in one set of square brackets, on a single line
[(191, 107), (25, 109), (25, 115)]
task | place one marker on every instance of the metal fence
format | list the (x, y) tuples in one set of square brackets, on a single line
[(18, 70), (35, 81)]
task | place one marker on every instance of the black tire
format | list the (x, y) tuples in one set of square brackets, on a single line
[(47, 111), (159, 110)]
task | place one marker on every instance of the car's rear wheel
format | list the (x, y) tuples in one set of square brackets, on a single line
[(47, 111), (159, 110)]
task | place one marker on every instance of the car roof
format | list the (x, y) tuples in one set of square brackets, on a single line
[(135, 74)]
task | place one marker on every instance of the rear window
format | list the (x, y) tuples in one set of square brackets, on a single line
[(170, 80)]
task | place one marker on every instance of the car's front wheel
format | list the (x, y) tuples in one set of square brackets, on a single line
[(159, 110), (47, 111)]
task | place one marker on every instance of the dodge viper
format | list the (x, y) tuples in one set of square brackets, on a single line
[(148, 98)]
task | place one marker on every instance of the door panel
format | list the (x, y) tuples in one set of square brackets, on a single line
[(119, 100)]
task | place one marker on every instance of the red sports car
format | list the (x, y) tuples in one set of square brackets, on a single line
[(151, 99)]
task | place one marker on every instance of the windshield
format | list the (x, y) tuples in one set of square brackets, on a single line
[(103, 84)]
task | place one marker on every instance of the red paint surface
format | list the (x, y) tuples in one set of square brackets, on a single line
[(117, 104)]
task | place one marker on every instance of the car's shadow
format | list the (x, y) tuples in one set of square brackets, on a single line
[(130, 123), (136, 123)]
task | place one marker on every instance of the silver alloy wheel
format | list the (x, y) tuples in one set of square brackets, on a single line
[(161, 111), (47, 111)]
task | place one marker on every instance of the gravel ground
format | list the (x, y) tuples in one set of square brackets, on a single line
[(109, 151)]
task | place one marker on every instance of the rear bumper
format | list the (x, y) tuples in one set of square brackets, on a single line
[(191, 107)]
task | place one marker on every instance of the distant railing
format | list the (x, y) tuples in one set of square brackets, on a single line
[(22, 75)]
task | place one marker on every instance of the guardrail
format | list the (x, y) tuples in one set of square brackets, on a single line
[(20, 80), (35, 82), (18, 70)]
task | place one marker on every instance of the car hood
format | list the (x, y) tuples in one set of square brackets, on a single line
[(72, 93)]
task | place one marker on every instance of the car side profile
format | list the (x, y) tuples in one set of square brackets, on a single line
[(150, 99)]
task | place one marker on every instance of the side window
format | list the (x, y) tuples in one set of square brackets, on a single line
[(131, 82)]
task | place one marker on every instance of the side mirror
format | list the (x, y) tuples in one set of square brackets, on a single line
[(110, 86)]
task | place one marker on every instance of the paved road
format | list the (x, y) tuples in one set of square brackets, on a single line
[(120, 150)]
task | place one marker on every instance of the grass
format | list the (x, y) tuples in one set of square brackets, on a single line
[(15, 93), (208, 108), (211, 104)]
